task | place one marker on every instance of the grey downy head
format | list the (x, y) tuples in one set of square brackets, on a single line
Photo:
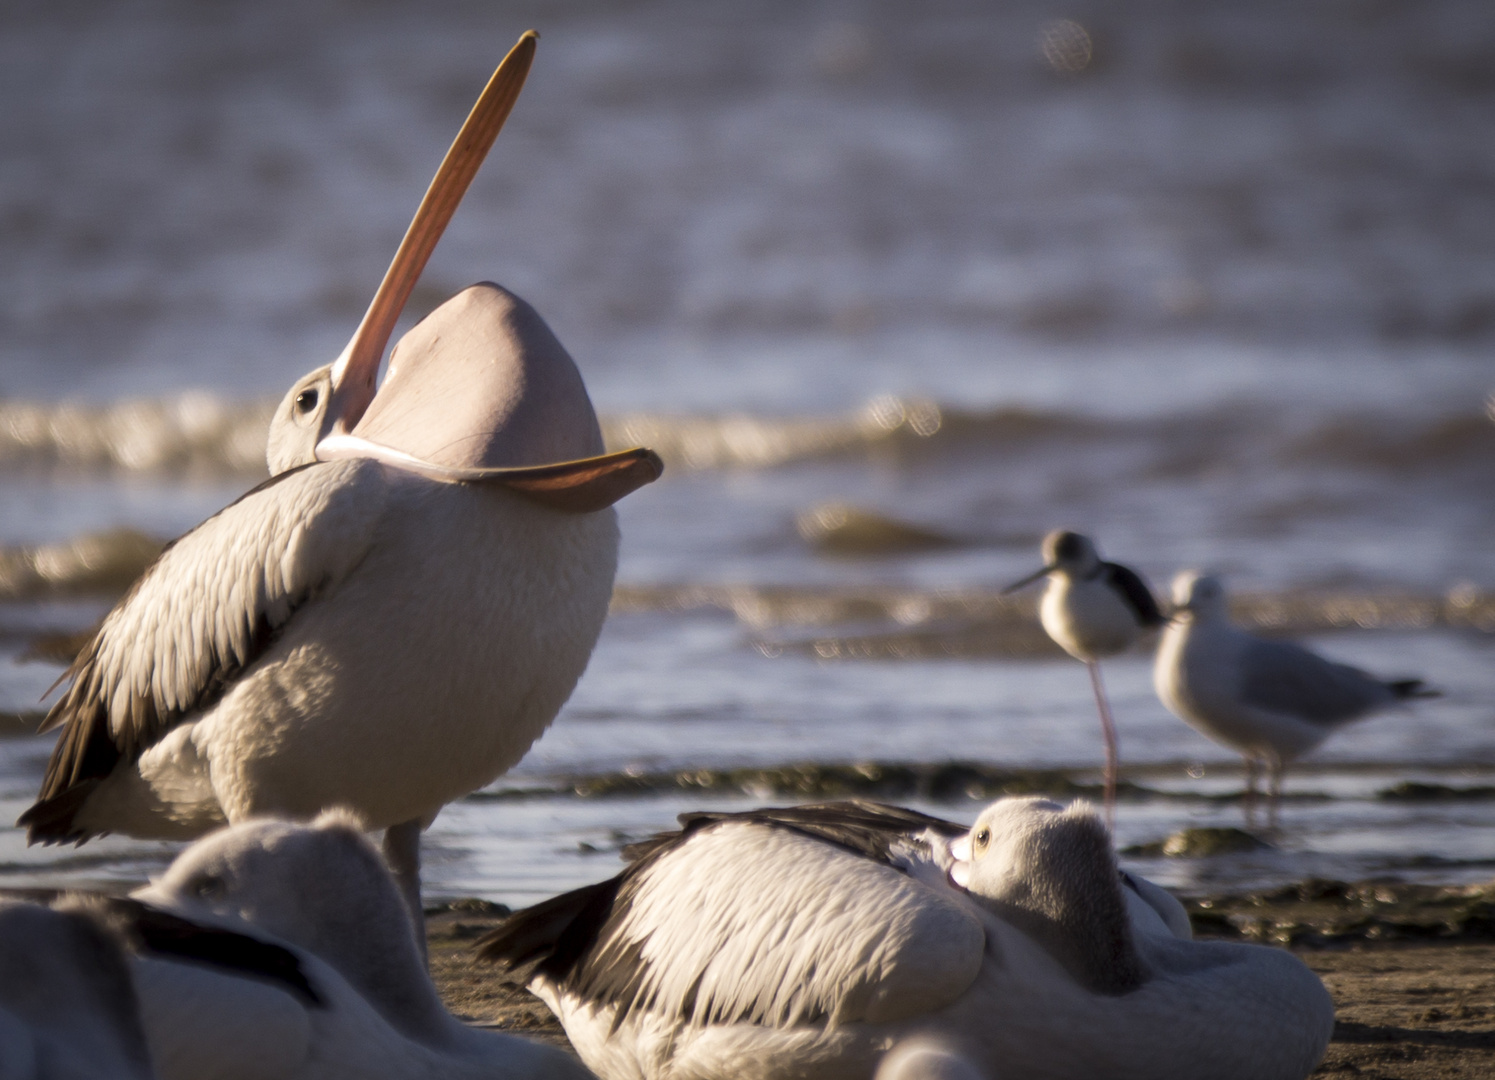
[(1050, 871)]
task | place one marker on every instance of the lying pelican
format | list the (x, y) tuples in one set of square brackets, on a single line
[(1270, 701), (808, 941), (275, 951), (67, 1005), (391, 620)]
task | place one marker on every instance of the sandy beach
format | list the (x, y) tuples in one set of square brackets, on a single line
[(1410, 1005)]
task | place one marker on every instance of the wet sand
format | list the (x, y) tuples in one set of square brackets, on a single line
[(1416, 1007)]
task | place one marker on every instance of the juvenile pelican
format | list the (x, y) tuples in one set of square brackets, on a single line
[(1092, 609), (1270, 701), (391, 620), (307, 968), (809, 941)]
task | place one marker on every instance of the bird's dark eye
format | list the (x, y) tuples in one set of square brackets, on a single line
[(306, 401), (1070, 546), (983, 837), (207, 886)]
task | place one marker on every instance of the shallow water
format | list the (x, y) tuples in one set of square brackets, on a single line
[(1223, 300)]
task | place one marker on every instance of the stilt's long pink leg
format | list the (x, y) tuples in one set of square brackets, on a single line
[(1108, 732)]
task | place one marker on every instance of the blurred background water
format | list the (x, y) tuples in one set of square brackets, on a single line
[(894, 290)]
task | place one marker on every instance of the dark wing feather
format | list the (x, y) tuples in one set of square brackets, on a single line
[(206, 609), (1138, 596), (161, 933), (864, 828)]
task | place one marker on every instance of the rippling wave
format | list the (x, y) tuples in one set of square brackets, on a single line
[(903, 624), (201, 431), (195, 430)]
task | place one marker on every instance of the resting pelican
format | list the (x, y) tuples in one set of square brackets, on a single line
[(1092, 609), (809, 941), (395, 616), (67, 1005), (273, 950), (1270, 701)]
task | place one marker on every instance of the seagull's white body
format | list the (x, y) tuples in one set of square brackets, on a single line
[(426, 634), (757, 951), (67, 1007), (1270, 701), (1198, 675), (318, 892)]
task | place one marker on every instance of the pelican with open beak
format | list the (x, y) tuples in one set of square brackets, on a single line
[(393, 618)]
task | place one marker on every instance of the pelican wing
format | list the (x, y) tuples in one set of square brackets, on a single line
[(755, 921), (1286, 678), (156, 932), (203, 612)]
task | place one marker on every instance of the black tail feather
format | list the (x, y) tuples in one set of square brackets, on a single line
[(551, 937), (53, 820)]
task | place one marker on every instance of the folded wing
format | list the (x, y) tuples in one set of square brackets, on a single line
[(756, 922), (202, 613)]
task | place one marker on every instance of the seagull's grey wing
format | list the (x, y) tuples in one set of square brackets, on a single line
[(743, 923), (204, 611), (1285, 678)]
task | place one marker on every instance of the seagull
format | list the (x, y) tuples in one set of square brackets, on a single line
[(1092, 609), (67, 1006), (811, 940), (277, 950), (1270, 701), (391, 620)]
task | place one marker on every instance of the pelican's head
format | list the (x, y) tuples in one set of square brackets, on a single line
[(1049, 870), (313, 885), (300, 422), (1200, 595), (321, 886), (480, 390), (1064, 552)]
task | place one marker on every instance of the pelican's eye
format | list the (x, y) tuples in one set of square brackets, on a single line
[(306, 401), (983, 837)]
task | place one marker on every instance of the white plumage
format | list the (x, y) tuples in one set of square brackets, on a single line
[(67, 1005), (810, 941), (1270, 701), (368, 1010), (398, 643), (926, 1060)]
